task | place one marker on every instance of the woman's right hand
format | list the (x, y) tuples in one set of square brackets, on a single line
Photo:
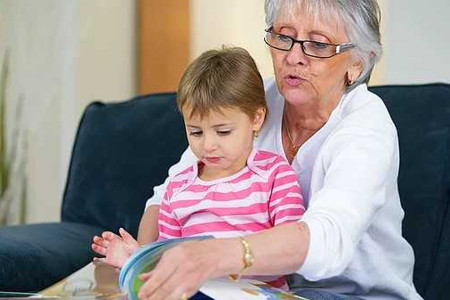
[(116, 249), (185, 267)]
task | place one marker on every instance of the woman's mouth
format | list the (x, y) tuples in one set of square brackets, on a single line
[(293, 81)]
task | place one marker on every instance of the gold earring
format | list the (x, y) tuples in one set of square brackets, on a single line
[(349, 81)]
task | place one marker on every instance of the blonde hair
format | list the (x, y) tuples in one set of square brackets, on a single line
[(220, 79)]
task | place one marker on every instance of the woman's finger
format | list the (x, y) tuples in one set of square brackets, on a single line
[(167, 290), (178, 286), (193, 267), (162, 272), (145, 276)]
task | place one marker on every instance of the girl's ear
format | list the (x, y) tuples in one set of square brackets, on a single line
[(258, 120)]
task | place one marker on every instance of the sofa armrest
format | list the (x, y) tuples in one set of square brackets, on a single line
[(33, 257)]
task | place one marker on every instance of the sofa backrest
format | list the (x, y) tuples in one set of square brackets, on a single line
[(124, 149), (422, 116), (121, 151)]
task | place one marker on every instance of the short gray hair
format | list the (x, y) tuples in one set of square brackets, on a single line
[(361, 20)]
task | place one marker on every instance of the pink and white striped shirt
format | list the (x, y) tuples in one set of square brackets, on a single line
[(264, 194)]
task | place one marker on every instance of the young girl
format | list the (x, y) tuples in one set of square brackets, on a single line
[(232, 190)]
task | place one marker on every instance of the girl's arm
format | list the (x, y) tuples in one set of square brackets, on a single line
[(148, 227)]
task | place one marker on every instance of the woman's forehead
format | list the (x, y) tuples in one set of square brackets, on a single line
[(311, 16)]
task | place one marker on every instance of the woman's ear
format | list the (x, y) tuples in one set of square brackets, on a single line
[(258, 120), (354, 72)]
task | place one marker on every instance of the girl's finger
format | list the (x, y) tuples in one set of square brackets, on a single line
[(128, 238), (98, 249), (101, 241)]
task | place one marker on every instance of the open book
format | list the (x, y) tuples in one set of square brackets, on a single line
[(147, 257)]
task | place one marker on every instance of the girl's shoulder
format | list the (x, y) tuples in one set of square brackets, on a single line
[(182, 180), (266, 163)]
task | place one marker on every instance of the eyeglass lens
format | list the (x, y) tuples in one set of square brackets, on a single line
[(311, 48)]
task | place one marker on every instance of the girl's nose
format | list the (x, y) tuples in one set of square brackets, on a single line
[(209, 143)]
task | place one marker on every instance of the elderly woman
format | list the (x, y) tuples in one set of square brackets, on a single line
[(340, 140)]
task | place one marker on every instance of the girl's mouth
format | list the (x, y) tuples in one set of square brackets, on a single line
[(212, 160)]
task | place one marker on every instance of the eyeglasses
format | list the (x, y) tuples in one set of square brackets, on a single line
[(310, 48)]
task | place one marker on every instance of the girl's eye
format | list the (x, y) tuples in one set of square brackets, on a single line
[(223, 132), (195, 133)]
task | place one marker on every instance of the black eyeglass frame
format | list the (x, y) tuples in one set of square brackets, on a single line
[(339, 47)]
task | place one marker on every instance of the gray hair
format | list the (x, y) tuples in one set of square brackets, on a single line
[(361, 20)]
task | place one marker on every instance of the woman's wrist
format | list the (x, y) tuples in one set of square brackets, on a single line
[(228, 255), (247, 258)]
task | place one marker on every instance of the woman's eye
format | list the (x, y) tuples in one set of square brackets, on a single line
[(284, 38), (319, 45)]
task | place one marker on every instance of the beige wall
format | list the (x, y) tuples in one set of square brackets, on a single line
[(64, 53), (417, 41), (107, 49), (230, 22)]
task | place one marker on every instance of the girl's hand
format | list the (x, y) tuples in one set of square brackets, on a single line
[(116, 249)]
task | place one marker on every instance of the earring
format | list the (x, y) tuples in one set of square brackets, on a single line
[(349, 81), (256, 133)]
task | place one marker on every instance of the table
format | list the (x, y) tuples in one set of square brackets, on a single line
[(96, 280)]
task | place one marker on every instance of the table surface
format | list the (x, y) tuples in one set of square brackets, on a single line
[(96, 280)]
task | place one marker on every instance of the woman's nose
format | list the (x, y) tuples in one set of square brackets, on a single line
[(296, 55)]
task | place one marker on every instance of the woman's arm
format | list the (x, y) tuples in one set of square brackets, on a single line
[(183, 269), (287, 245)]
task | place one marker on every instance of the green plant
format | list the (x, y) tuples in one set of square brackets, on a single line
[(4, 165), (12, 158)]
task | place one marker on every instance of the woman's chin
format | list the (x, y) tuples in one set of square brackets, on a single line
[(298, 95)]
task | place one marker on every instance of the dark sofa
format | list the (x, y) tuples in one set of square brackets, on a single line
[(123, 149)]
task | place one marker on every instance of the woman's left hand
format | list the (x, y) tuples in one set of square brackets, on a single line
[(184, 268)]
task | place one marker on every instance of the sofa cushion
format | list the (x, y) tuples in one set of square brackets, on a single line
[(35, 256), (422, 116), (122, 150)]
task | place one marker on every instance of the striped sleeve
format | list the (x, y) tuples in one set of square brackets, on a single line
[(286, 200), (168, 225)]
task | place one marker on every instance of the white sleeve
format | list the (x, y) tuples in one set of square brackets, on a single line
[(187, 159), (360, 166)]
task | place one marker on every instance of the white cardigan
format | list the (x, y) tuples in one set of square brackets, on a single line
[(348, 173)]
